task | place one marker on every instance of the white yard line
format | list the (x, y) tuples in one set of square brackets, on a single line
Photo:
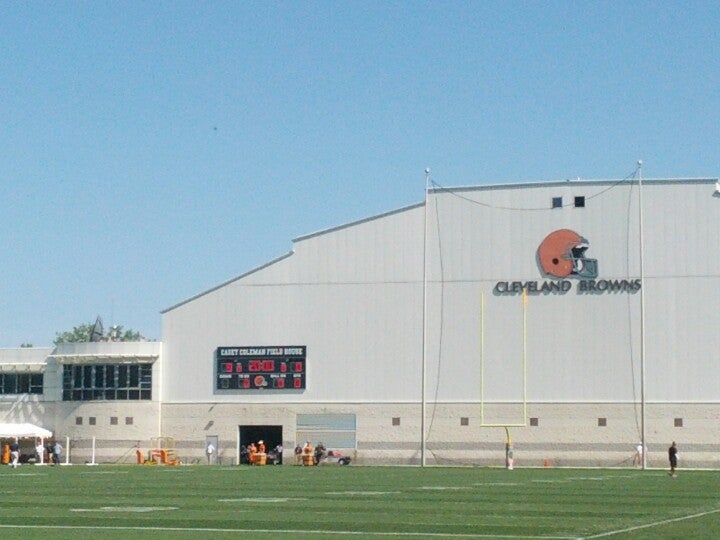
[(105, 472), (283, 531), (126, 509), (264, 499), (649, 525), (363, 492)]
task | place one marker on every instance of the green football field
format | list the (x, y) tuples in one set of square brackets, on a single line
[(110, 502)]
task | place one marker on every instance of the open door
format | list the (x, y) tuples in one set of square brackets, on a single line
[(270, 435)]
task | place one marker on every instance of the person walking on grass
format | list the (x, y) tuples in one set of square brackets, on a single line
[(14, 453), (673, 457)]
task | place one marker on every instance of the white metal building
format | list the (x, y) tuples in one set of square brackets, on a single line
[(576, 317)]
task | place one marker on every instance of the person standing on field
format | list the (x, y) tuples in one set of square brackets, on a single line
[(39, 452), (308, 454), (210, 451), (14, 453), (672, 457), (56, 452), (638, 458)]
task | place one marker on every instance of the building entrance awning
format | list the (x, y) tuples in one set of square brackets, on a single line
[(105, 358), (21, 367)]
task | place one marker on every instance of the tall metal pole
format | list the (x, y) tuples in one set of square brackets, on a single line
[(425, 318), (642, 321)]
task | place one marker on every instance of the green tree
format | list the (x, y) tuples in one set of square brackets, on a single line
[(80, 334)]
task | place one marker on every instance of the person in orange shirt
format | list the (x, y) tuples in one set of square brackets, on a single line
[(252, 451), (308, 457), (261, 447)]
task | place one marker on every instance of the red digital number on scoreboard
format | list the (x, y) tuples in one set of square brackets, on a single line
[(255, 365), (268, 365)]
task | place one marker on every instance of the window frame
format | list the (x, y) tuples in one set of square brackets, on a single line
[(13, 384), (107, 382)]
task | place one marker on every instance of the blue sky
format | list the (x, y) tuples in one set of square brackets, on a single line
[(152, 150)]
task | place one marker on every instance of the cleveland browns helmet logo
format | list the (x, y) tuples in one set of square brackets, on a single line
[(562, 255)]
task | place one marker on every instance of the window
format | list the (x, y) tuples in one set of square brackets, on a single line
[(464, 421), (580, 202), (110, 376), (113, 421), (100, 376), (104, 382), (21, 383), (396, 421), (602, 422), (76, 376), (534, 422), (678, 422), (91, 420), (134, 377), (36, 383), (78, 420), (128, 420), (122, 376), (557, 202)]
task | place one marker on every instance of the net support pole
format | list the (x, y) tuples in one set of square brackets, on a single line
[(423, 442), (508, 451), (642, 320), (524, 353), (41, 454), (482, 359)]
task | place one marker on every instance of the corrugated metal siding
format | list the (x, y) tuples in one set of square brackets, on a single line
[(330, 422), (354, 297), (334, 430)]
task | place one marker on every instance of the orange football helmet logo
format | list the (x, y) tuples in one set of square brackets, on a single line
[(562, 254)]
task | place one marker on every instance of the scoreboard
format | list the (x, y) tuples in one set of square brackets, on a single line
[(260, 368)]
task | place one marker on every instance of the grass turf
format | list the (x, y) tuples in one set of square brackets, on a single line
[(356, 502)]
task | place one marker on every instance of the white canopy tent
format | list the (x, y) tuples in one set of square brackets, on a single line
[(23, 430)]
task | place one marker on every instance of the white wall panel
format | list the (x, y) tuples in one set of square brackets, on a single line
[(353, 296)]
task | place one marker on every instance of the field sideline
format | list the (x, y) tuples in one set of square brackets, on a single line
[(113, 502)]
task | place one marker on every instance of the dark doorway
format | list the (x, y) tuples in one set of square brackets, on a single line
[(270, 435)]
